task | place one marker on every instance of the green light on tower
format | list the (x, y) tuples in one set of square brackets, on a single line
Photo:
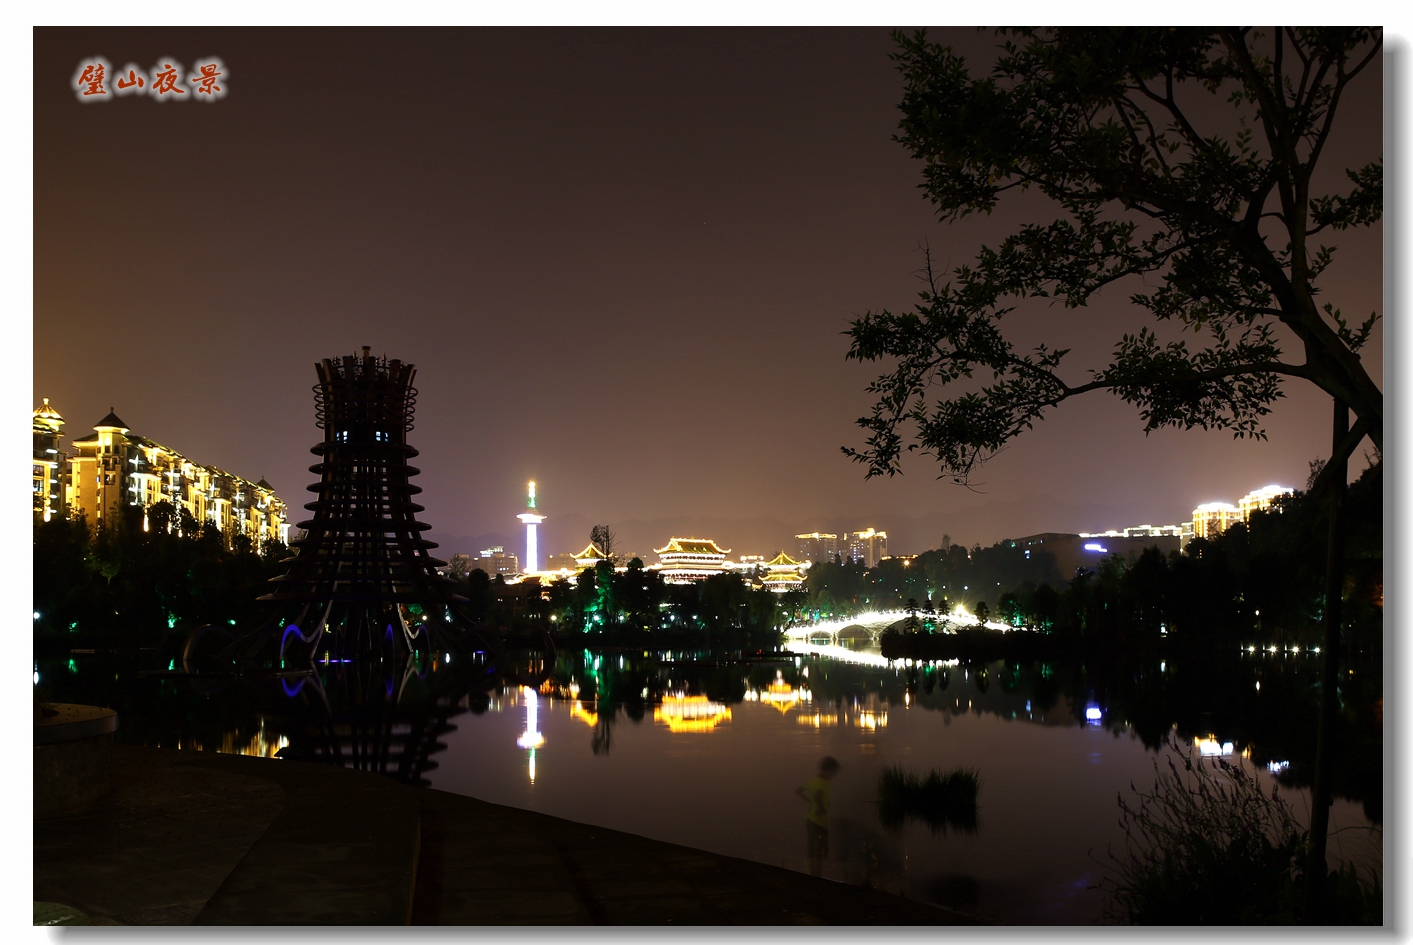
[(531, 503)]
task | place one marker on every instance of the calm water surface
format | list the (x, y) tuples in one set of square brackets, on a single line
[(699, 772), (706, 751)]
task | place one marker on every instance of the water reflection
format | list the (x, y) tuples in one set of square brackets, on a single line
[(419, 720), (683, 713)]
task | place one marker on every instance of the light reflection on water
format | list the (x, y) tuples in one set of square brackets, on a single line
[(722, 778)]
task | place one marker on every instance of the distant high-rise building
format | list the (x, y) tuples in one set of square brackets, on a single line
[(116, 468), (1210, 520), (868, 547), (817, 546), (495, 561), (1260, 500), (48, 463)]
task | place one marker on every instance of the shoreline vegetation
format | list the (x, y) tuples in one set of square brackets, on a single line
[(1207, 846)]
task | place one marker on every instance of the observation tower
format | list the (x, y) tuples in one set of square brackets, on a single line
[(532, 520), (362, 582)]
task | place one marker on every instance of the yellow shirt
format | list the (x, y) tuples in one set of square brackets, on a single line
[(817, 792)]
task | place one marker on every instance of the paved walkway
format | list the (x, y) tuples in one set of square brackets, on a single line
[(207, 839)]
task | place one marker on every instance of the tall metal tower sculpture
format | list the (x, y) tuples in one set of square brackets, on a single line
[(362, 582)]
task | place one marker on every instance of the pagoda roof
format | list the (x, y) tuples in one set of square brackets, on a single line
[(46, 412), (111, 421), (692, 546), (590, 553), (783, 560)]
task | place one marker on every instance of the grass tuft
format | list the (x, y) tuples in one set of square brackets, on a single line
[(942, 801), (1207, 846)]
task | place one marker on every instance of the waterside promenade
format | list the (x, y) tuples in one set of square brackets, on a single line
[(208, 839)]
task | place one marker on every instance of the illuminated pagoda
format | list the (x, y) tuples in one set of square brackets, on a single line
[(48, 493), (783, 573), (688, 560), (590, 557), (363, 581)]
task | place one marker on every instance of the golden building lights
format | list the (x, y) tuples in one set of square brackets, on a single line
[(1213, 518), (688, 560), (779, 694), (48, 492), (116, 468), (1261, 500), (783, 573), (684, 713)]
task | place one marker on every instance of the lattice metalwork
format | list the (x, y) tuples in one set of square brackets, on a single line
[(363, 581)]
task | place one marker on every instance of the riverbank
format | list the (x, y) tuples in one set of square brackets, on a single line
[(209, 839)]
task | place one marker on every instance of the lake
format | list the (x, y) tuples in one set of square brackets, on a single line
[(706, 750)]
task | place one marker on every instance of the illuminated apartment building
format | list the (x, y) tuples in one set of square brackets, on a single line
[(817, 546), (495, 561), (115, 468), (48, 495), (687, 560), (1210, 520), (1260, 500), (868, 547)]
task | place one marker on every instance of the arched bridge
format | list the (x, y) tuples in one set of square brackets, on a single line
[(874, 623)]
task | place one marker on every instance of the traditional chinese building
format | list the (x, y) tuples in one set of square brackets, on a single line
[(48, 462), (116, 468), (783, 573), (686, 560), (590, 557)]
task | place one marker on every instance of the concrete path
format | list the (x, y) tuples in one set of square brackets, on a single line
[(200, 838), (484, 864)]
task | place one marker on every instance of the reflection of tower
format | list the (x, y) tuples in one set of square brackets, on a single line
[(531, 738), (532, 522)]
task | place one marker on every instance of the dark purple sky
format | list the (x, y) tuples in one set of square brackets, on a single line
[(621, 260)]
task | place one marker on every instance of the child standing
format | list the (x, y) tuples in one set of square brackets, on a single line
[(816, 792)]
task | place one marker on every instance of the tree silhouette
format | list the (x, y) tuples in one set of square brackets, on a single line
[(1217, 229)]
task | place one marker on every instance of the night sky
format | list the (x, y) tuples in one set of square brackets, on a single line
[(621, 260)]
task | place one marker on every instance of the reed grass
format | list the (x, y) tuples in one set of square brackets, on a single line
[(941, 801), (1208, 846)]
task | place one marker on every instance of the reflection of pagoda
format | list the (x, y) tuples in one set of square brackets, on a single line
[(779, 694), (682, 713), (783, 573), (687, 560)]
